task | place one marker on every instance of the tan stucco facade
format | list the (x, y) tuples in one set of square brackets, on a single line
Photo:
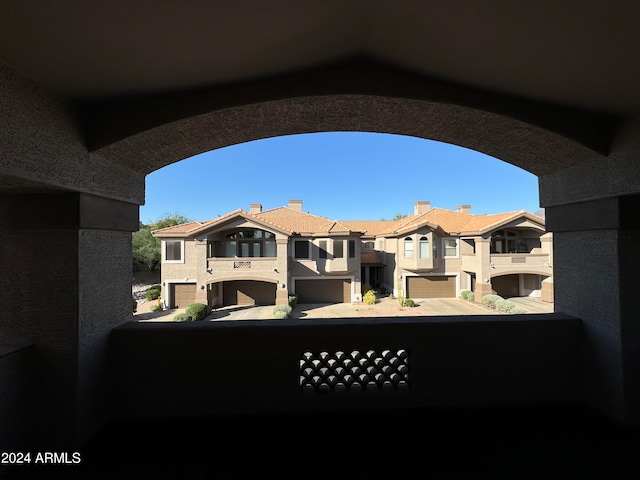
[(218, 252)]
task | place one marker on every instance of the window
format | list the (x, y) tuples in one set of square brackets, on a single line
[(338, 246), (270, 248), (322, 250), (352, 249), (301, 249), (244, 243), (450, 247), (408, 247), (370, 245), (173, 250), (424, 247)]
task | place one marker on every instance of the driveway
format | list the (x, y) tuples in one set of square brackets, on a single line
[(385, 307)]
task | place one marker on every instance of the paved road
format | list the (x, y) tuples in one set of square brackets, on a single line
[(384, 308)]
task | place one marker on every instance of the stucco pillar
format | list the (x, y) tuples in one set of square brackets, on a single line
[(483, 273), (65, 282), (596, 257), (202, 295), (546, 292), (282, 287), (592, 210)]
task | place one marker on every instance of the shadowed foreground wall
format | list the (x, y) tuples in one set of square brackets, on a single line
[(246, 367)]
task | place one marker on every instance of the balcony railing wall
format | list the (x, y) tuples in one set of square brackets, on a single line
[(190, 369)]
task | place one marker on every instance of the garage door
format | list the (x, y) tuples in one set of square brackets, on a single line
[(183, 294), (249, 292), (323, 291), (506, 285), (431, 287)]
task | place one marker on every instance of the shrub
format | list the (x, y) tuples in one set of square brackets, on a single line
[(365, 288), (156, 307), (392, 296), (278, 309), (464, 293), (152, 294), (135, 304), (280, 315), (471, 297), (505, 306), (518, 310), (490, 300), (369, 298), (182, 317), (409, 303), (293, 301), (197, 311)]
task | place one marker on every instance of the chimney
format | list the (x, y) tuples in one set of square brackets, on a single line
[(295, 205), (464, 209), (421, 207), (255, 208)]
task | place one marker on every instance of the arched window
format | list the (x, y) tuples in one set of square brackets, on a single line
[(424, 247), (408, 247)]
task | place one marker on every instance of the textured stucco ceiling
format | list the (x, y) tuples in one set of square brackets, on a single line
[(577, 53)]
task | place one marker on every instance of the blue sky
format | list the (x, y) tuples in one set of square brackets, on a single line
[(338, 175)]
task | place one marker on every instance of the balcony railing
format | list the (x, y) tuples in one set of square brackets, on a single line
[(231, 266), (509, 261), (286, 365)]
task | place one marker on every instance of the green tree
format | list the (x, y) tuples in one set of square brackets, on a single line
[(146, 247), (169, 220), (398, 216)]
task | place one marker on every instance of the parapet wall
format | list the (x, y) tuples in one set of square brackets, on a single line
[(246, 367)]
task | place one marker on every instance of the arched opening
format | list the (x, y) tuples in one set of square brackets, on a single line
[(361, 221)]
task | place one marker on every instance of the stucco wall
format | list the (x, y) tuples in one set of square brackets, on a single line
[(41, 146), (248, 367)]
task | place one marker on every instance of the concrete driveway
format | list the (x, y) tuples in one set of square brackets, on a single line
[(385, 307)]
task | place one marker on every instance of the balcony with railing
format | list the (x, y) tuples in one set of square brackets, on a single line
[(269, 366), (241, 267), (506, 262)]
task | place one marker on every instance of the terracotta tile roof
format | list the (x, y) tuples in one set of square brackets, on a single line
[(301, 222), (447, 220), (295, 221), (371, 227), (183, 228)]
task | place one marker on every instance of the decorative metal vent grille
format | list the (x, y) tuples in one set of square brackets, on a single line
[(518, 259), (326, 372), (241, 264)]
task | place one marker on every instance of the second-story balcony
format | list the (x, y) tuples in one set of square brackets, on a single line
[(239, 267), (505, 263)]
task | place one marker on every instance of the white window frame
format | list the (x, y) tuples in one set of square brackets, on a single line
[(444, 247), (408, 241), (164, 251), (310, 249), (420, 242)]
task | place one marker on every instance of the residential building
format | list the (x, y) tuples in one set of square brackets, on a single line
[(262, 257)]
